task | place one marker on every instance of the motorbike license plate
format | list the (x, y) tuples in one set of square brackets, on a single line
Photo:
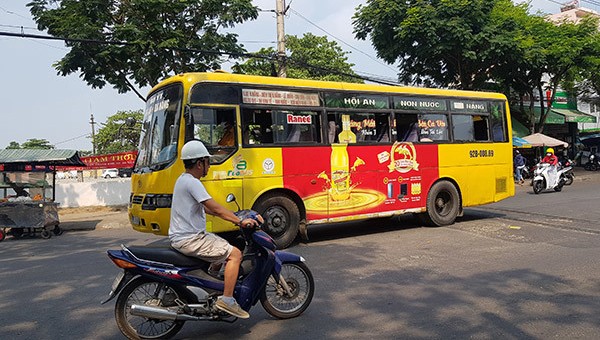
[(117, 281)]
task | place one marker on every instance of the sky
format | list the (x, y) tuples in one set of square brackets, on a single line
[(38, 103)]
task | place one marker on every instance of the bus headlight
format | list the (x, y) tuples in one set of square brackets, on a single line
[(154, 201)]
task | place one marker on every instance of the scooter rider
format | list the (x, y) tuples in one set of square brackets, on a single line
[(187, 230), (551, 159)]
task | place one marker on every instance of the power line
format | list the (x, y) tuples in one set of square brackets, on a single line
[(72, 139), (342, 41), (191, 50)]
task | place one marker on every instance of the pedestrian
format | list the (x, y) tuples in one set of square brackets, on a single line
[(187, 229), (519, 163)]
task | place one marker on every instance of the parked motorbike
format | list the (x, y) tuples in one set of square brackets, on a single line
[(159, 289), (543, 180), (593, 163)]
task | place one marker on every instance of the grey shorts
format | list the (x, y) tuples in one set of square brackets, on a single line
[(206, 246)]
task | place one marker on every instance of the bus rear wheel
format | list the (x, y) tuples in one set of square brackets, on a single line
[(443, 204), (282, 218)]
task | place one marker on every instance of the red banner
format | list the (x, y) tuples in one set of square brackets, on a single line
[(115, 160)]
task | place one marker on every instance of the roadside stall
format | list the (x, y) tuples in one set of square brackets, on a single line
[(27, 196)]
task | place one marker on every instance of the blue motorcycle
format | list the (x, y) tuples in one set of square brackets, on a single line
[(159, 289)]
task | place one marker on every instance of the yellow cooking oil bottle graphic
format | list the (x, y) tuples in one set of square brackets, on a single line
[(340, 184), (346, 136)]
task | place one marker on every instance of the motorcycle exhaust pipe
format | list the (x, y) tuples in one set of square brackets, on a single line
[(162, 314)]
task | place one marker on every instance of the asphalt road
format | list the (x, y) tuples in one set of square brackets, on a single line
[(524, 268)]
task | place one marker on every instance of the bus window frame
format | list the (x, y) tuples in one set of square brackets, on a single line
[(318, 115), (341, 111), (190, 133)]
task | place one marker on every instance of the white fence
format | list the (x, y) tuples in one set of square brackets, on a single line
[(100, 192)]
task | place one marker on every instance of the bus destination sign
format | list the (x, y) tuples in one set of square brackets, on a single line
[(419, 104), (269, 97)]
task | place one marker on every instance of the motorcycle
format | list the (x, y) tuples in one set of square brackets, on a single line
[(593, 163), (159, 289), (544, 180), (567, 165)]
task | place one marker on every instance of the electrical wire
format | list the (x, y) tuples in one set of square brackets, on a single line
[(72, 139), (340, 40), (190, 50)]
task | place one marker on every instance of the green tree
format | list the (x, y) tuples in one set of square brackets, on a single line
[(435, 42), (163, 37), (117, 135), (34, 143), (309, 57), (13, 145)]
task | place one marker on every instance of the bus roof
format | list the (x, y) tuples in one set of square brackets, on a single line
[(225, 77)]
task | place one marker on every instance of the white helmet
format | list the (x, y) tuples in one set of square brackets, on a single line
[(194, 149)]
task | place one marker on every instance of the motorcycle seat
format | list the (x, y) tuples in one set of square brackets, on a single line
[(166, 254)]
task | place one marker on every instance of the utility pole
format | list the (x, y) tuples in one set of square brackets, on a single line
[(93, 134), (280, 12)]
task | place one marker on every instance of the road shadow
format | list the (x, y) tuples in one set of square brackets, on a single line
[(355, 301), (332, 231)]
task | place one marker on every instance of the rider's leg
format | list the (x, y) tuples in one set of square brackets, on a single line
[(232, 268)]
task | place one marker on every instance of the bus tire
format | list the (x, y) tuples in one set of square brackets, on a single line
[(443, 204), (282, 218)]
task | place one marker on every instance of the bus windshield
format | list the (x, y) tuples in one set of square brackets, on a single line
[(160, 129)]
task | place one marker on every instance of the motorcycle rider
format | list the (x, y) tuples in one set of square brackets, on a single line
[(187, 230), (551, 159)]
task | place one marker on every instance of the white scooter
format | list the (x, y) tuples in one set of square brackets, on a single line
[(546, 179)]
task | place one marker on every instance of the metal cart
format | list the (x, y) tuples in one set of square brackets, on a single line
[(27, 196)]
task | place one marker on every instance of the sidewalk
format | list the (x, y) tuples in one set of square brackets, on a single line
[(91, 218)]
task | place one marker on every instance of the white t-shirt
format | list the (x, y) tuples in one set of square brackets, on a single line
[(187, 211)]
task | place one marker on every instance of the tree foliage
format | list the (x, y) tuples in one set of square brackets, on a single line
[(13, 145), (116, 135), (163, 37), (469, 44), (34, 143), (435, 42), (309, 57)]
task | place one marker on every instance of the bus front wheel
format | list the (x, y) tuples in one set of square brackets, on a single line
[(443, 204), (282, 218)]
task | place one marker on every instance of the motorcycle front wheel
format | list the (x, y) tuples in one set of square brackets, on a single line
[(149, 293), (538, 186), (278, 303)]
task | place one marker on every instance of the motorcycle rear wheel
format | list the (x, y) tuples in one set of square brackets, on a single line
[(302, 286), (146, 292), (538, 186), (569, 180)]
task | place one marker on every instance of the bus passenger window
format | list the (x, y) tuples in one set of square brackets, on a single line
[(480, 127), (470, 128), (262, 126), (433, 127), (498, 122), (358, 127), (407, 128), (462, 128)]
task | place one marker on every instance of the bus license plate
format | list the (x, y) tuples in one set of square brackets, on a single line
[(135, 220)]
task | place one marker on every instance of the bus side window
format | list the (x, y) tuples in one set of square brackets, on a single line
[(407, 128)]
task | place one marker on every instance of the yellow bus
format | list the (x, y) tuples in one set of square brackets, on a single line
[(305, 152)]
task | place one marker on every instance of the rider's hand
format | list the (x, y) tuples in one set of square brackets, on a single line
[(250, 222)]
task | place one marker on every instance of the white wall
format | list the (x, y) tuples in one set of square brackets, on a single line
[(100, 192)]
